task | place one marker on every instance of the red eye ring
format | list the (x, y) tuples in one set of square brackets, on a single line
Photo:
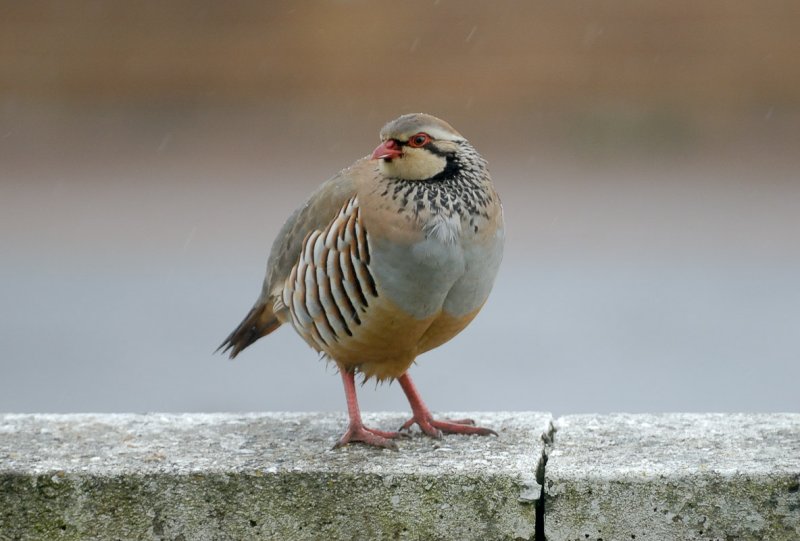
[(419, 140)]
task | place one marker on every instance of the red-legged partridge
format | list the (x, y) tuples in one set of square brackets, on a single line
[(389, 259)]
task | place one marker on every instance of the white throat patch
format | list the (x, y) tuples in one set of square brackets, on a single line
[(416, 164)]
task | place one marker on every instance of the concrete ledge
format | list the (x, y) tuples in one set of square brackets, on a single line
[(274, 476), (674, 477), (262, 476)]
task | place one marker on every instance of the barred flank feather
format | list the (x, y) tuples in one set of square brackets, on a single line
[(331, 282)]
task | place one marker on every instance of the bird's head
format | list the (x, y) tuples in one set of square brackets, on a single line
[(417, 147)]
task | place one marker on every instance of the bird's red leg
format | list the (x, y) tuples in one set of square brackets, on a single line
[(357, 431), (422, 416)]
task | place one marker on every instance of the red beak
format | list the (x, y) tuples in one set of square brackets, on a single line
[(387, 150)]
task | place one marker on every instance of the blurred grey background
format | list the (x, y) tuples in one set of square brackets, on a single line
[(646, 152)]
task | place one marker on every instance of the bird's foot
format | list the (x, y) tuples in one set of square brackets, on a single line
[(369, 436), (434, 428)]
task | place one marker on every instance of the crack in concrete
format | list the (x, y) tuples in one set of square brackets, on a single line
[(548, 439)]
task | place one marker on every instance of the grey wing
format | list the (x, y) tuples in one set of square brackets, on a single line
[(318, 211)]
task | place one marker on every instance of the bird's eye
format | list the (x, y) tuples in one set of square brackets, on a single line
[(419, 140)]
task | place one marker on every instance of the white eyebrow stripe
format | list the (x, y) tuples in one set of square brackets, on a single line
[(440, 134)]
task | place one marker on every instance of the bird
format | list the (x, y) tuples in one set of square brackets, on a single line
[(388, 259)]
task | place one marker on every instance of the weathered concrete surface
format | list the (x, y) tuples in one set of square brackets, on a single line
[(199, 477), (674, 477)]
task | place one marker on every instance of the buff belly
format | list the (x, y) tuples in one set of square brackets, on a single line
[(411, 316)]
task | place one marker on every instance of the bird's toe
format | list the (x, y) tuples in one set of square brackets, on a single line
[(368, 436), (435, 429)]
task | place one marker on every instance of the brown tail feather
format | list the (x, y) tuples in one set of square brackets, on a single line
[(260, 321)]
